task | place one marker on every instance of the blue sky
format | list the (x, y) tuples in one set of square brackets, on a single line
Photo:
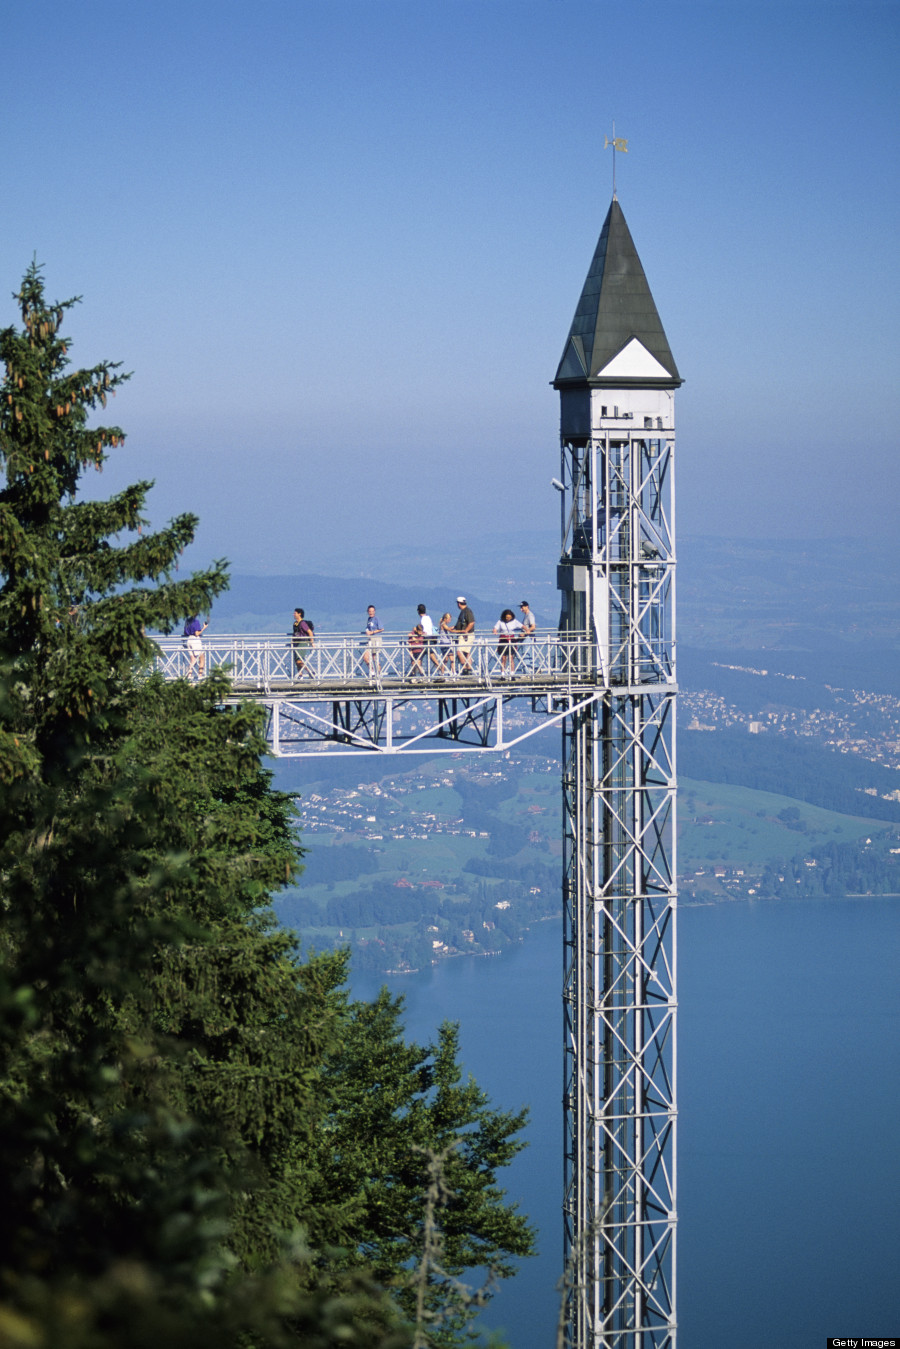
[(340, 245)]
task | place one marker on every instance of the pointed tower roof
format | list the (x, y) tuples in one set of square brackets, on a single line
[(616, 338)]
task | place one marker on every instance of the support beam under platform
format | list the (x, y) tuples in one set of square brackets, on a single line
[(415, 724)]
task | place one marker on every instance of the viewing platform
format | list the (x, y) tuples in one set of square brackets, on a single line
[(490, 695), (347, 665)]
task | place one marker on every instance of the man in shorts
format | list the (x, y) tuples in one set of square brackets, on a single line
[(303, 639), (464, 627), (193, 631), (528, 627), (373, 631)]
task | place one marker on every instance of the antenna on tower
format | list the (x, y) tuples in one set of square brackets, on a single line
[(617, 144)]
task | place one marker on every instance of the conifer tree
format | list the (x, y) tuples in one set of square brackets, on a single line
[(137, 829), (201, 1138), (397, 1105)]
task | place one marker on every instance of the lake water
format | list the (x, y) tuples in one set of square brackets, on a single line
[(789, 1103)]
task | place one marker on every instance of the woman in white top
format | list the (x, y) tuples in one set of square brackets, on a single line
[(506, 629), (427, 626)]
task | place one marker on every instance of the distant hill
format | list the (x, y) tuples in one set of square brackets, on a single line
[(836, 600), (338, 604)]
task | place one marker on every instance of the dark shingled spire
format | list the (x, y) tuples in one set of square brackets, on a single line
[(615, 307)]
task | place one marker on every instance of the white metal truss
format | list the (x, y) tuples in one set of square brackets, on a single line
[(618, 552), (416, 724), (336, 664), (617, 572)]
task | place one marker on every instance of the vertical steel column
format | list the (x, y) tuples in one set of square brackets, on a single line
[(617, 567)]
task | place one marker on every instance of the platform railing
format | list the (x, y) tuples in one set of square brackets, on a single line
[(266, 663)]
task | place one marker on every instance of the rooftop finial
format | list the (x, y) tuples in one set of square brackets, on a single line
[(616, 145)]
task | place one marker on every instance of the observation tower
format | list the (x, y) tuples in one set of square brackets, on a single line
[(616, 381), (606, 675)]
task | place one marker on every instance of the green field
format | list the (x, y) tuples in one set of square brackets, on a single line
[(350, 893), (718, 822)]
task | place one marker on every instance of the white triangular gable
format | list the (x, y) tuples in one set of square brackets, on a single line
[(634, 362)]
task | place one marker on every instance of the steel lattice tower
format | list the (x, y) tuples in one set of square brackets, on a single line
[(608, 677), (616, 381)]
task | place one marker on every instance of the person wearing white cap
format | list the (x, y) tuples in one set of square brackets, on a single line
[(464, 628)]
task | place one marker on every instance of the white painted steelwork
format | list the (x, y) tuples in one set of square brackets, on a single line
[(417, 722), (617, 575), (267, 664)]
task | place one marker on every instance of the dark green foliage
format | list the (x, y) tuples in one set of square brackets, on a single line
[(396, 1103), (170, 1071), (479, 796), (78, 819), (861, 867), (790, 817), (115, 1207), (506, 840)]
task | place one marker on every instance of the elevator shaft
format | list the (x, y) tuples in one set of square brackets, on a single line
[(617, 578)]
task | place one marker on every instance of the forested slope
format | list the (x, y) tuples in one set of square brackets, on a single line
[(788, 766)]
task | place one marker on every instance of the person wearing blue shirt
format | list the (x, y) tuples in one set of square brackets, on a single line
[(193, 629), (373, 630)]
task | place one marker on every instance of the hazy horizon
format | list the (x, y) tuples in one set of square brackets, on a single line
[(341, 247)]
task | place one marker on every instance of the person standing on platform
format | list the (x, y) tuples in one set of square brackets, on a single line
[(303, 636), (193, 632), (445, 644), (416, 647), (464, 628), (529, 625), (427, 626), (507, 630), (373, 630)]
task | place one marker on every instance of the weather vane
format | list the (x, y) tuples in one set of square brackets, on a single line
[(617, 144)]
